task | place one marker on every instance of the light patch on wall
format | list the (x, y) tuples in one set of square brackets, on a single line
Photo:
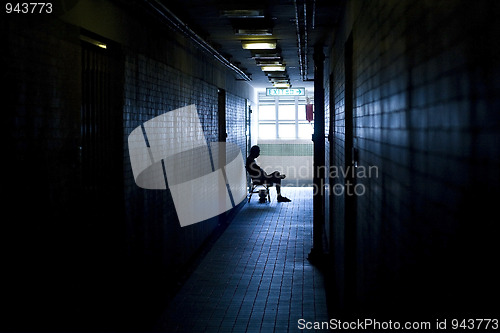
[(93, 42)]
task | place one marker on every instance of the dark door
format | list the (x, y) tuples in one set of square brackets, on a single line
[(331, 158), (222, 115), (101, 129), (100, 241), (222, 138)]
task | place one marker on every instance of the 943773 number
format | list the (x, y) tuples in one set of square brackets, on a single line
[(28, 7), (474, 324)]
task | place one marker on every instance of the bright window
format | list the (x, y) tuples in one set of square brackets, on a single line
[(302, 112), (284, 117), (267, 131), (286, 112), (286, 131), (305, 130), (267, 112)]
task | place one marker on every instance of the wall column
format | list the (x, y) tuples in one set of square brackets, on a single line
[(319, 156)]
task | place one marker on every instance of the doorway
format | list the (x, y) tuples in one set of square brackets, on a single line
[(101, 129), (350, 203)]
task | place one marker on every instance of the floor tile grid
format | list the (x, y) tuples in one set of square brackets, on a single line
[(256, 278)]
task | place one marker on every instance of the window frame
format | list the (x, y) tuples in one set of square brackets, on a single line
[(283, 100)]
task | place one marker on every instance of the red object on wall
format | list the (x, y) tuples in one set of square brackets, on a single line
[(309, 112)]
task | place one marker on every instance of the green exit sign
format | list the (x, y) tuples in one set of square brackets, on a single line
[(285, 92)]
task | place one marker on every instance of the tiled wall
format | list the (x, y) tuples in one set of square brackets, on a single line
[(236, 121), (42, 144), (103, 261), (294, 158), (426, 115), (41, 100), (151, 89), (154, 86)]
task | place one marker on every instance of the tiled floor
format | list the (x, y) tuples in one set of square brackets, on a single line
[(256, 278)]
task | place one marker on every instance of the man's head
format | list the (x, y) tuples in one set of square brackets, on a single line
[(255, 151)]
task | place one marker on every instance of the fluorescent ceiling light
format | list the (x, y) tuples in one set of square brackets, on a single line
[(243, 13), (269, 63), (266, 56), (258, 45), (273, 68), (279, 80), (253, 32), (281, 85)]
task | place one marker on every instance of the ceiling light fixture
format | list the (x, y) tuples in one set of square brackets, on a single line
[(266, 56), (281, 85), (243, 13), (258, 45), (253, 32), (273, 68), (269, 63), (278, 80)]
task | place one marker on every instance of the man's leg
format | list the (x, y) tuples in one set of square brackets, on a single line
[(278, 175), (276, 179)]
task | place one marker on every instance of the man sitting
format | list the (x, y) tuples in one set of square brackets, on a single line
[(260, 176)]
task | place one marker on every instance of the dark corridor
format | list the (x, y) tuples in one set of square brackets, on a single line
[(105, 100)]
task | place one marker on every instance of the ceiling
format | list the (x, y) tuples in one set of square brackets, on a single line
[(294, 25)]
